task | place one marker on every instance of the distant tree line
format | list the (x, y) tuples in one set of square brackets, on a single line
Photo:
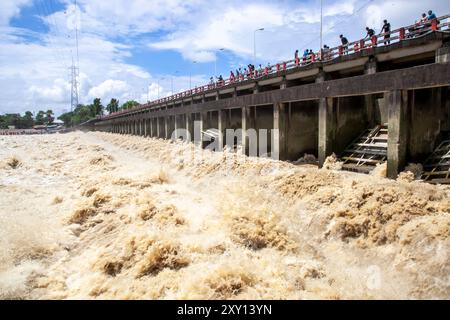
[(83, 113), (27, 121)]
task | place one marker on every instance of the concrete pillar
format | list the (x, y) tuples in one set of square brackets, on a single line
[(283, 84), (204, 125), (369, 100), (248, 122), (279, 142), (222, 126), (397, 131), (175, 124), (158, 129), (189, 125), (327, 128), (150, 127), (166, 129), (327, 123), (443, 55)]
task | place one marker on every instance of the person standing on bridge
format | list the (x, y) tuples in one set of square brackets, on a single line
[(386, 29), (370, 33), (431, 15), (305, 55), (344, 42), (232, 77)]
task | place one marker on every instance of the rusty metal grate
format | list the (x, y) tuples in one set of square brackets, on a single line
[(368, 150), (437, 166)]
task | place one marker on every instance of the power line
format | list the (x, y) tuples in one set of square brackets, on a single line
[(340, 21)]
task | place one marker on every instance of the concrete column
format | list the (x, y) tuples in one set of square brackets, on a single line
[(150, 127), (443, 55), (397, 131), (189, 125), (283, 84), (166, 129), (175, 124), (327, 128), (204, 125), (248, 122), (279, 143), (222, 126), (369, 100), (158, 129)]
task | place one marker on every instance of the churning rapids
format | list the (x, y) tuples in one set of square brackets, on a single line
[(106, 216)]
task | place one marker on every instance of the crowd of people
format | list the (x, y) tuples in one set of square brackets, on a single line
[(308, 56)]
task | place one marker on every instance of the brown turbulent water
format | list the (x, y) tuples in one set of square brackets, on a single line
[(96, 215)]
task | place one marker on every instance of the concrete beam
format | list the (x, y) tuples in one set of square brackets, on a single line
[(424, 76), (443, 55)]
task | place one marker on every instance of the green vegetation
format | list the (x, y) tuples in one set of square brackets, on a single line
[(83, 113), (27, 121)]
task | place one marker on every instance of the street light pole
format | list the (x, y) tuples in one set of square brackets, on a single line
[(215, 62), (190, 75), (171, 80), (321, 24), (158, 84), (254, 43)]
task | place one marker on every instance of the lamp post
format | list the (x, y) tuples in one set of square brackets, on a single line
[(215, 62), (321, 24), (171, 80), (158, 84), (190, 75), (254, 43)]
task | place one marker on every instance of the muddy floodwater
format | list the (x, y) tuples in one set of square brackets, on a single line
[(107, 216)]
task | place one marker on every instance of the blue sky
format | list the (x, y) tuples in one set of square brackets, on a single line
[(131, 49)]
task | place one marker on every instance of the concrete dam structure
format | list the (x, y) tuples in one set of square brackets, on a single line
[(367, 102)]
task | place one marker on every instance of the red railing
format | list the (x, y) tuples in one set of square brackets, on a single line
[(404, 33)]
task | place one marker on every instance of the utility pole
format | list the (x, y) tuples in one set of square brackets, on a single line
[(215, 62), (321, 25), (74, 87), (190, 75), (158, 84), (254, 43)]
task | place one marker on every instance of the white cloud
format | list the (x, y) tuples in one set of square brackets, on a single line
[(107, 88), (10, 9), (35, 74)]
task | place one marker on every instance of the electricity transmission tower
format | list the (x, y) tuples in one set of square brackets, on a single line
[(74, 87)]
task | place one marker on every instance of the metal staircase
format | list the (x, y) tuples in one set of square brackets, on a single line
[(437, 166), (368, 150)]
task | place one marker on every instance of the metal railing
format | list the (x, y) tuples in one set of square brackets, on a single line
[(404, 33)]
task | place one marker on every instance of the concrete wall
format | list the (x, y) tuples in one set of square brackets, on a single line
[(351, 121), (428, 115), (302, 129), (263, 119)]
